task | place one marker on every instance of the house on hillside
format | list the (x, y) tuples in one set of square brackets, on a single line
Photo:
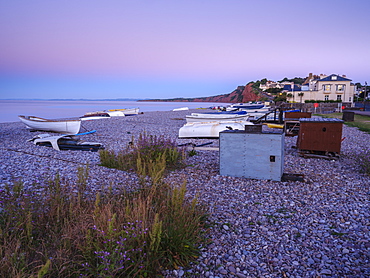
[(270, 84), (324, 88)]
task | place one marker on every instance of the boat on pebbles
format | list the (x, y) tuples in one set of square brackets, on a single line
[(58, 126), (247, 106), (210, 129), (181, 109), (95, 116), (217, 116), (123, 112)]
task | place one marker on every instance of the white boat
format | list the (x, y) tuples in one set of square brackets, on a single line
[(181, 109), (210, 129), (126, 111), (216, 117), (95, 116), (65, 142), (59, 126), (116, 113)]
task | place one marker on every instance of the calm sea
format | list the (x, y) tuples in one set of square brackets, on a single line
[(54, 109)]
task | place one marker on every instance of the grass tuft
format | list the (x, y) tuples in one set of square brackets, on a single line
[(149, 149)]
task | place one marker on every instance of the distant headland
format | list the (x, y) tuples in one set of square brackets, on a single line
[(240, 94)]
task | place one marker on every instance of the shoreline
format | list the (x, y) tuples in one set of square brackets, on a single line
[(259, 228)]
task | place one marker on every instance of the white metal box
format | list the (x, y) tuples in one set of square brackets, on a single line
[(252, 155)]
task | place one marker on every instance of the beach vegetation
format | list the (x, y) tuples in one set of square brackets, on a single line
[(69, 230), (363, 161), (192, 153), (146, 151)]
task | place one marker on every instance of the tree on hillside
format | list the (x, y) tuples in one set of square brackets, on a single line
[(284, 80), (273, 91), (280, 97), (264, 81), (295, 80)]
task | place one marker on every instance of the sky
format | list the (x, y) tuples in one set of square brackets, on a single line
[(180, 48)]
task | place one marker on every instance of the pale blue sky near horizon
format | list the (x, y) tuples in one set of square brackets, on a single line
[(167, 49)]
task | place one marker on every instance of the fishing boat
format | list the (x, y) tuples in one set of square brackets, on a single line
[(210, 129), (246, 106), (126, 111), (59, 126), (65, 142), (217, 116), (95, 116)]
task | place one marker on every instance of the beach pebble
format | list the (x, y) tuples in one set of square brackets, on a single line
[(316, 228)]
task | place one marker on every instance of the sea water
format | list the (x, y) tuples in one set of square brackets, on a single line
[(54, 109)]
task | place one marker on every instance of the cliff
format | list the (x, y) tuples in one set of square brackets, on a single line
[(240, 94)]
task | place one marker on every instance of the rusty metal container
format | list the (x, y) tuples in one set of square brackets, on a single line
[(320, 134), (297, 115)]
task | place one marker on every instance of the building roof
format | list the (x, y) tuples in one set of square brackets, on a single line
[(289, 88), (334, 77)]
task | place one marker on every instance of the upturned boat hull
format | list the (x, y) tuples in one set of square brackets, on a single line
[(215, 117), (210, 129), (181, 109), (65, 142)]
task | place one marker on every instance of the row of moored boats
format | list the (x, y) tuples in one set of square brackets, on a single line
[(73, 126), (69, 129), (233, 117), (198, 125)]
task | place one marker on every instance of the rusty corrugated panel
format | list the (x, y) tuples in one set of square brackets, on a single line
[(320, 134)]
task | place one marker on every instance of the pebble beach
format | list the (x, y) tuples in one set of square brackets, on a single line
[(319, 227)]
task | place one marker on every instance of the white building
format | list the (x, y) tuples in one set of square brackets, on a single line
[(332, 87)]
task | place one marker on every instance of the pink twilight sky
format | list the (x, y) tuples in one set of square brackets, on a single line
[(175, 48)]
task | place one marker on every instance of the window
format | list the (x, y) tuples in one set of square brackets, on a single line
[(326, 88), (339, 97), (341, 87), (326, 97)]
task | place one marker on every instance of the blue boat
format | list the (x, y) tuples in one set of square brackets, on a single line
[(248, 105)]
